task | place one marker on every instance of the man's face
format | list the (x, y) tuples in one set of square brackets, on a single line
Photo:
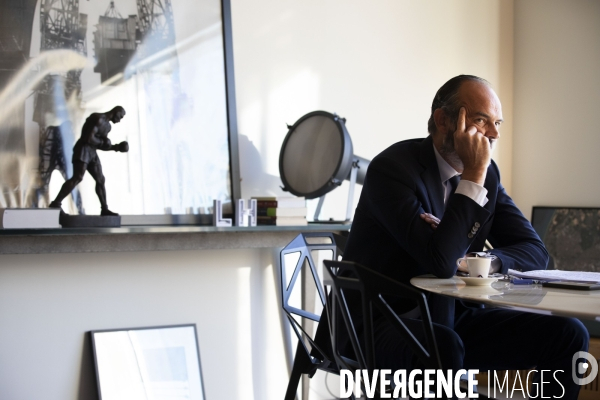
[(484, 111)]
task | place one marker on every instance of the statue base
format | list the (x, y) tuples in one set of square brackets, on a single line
[(89, 221)]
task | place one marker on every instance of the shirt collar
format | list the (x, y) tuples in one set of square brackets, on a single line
[(446, 170)]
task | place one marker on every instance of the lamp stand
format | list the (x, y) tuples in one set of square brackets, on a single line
[(353, 176), (319, 206)]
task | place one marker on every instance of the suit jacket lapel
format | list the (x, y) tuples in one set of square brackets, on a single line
[(442, 308), (491, 184), (431, 177)]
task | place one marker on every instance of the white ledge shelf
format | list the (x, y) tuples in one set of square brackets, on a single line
[(152, 238)]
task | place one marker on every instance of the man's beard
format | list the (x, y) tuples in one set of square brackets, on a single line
[(448, 152)]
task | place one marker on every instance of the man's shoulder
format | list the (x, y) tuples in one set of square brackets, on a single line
[(402, 161), (405, 151)]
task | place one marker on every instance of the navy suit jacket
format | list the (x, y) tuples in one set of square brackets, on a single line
[(389, 236)]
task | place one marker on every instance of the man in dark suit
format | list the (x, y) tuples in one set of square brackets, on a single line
[(413, 219)]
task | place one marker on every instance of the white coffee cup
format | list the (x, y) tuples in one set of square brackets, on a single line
[(479, 267)]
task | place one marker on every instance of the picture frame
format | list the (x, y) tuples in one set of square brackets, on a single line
[(571, 236), (169, 63), (161, 362)]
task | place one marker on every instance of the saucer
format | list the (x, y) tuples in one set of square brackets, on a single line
[(478, 281)]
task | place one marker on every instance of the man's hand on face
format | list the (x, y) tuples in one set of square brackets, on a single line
[(473, 148)]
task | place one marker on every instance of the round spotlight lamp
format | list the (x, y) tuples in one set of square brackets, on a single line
[(317, 156)]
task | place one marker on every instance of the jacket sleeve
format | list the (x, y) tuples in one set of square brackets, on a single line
[(395, 198), (514, 240)]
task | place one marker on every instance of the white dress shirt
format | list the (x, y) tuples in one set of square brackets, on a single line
[(470, 189)]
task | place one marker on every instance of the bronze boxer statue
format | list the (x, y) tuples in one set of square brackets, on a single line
[(94, 136)]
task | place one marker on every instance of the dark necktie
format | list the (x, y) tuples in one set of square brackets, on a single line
[(451, 185), (454, 183)]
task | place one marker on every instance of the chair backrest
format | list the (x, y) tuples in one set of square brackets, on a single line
[(302, 289), (375, 290)]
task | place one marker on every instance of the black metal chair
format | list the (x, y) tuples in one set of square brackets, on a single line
[(298, 261), (375, 291)]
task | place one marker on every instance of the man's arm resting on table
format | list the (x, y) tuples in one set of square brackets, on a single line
[(478, 194), (394, 204), (515, 242), (517, 245)]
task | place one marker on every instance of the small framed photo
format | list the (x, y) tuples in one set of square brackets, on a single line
[(159, 363)]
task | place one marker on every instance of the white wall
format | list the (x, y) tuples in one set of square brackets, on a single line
[(557, 102), (48, 302), (377, 63)]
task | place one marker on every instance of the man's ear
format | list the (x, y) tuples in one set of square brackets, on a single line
[(441, 119)]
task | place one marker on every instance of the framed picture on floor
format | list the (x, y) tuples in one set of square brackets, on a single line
[(159, 363)]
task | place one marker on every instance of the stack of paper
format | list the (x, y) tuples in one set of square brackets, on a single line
[(558, 275)]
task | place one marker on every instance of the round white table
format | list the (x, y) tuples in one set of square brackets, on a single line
[(531, 298)]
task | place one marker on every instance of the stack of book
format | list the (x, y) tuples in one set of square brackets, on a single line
[(281, 211), (29, 218)]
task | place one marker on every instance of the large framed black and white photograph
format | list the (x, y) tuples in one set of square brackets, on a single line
[(148, 363), (168, 63)]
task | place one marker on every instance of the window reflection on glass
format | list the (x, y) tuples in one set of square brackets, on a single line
[(163, 61)]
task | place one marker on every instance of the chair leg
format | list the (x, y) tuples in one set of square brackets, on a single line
[(292, 388), (302, 365)]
